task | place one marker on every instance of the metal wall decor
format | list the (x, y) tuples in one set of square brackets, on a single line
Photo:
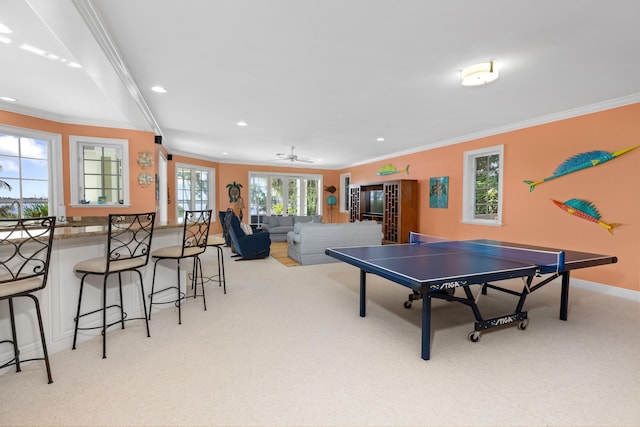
[(144, 159), (234, 191), (144, 179)]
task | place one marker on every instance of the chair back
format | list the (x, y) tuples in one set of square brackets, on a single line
[(129, 239), (222, 215), (25, 250), (196, 230)]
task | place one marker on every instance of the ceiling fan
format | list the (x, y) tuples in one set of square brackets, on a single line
[(293, 157)]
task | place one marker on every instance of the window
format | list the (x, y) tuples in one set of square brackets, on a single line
[(99, 171), (30, 174), (345, 180), (277, 194), (482, 188), (195, 189)]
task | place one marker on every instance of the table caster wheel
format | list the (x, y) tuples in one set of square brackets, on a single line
[(407, 304), (523, 324), (474, 336)]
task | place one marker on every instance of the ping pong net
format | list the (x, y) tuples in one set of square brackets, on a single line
[(547, 260)]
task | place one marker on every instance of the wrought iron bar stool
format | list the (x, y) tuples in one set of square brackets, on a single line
[(218, 242), (25, 251), (128, 248), (194, 242)]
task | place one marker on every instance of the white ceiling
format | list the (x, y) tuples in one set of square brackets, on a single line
[(326, 76)]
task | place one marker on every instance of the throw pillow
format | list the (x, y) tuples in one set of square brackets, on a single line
[(246, 228)]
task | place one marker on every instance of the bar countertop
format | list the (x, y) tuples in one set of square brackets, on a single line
[(66, 231)]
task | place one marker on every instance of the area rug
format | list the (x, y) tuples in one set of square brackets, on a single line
[(279, 252)]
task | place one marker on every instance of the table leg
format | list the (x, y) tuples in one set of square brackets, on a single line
[(426, 326), (363, 293), (564, 296)]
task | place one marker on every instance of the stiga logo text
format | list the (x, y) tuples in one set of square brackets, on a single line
[(447, 285), (504, 320)]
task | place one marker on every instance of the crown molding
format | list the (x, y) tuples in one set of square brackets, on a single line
[(549, 118)]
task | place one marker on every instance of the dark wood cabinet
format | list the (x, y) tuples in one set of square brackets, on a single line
[(394, 204)]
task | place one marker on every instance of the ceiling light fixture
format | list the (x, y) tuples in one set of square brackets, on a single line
[(159, 89), (380, 139), (8, 99), (4, 29), (479, 74), (242, 124)]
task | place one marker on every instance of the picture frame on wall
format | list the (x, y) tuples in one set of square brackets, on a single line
[(439, 192)]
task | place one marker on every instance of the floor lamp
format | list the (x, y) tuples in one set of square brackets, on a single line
[(331, 201), (239, 206)]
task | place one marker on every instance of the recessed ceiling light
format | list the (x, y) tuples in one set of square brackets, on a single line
[(242, 124), (479, 74), (32, 49), (159, 89), (8, 98), (74, 65), (225, 153), (380, 139), (5, 40), (4, 29)]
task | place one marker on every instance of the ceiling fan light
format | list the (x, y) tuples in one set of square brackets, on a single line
[(479, 74)]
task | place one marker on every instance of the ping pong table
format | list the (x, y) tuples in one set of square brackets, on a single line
[(432, 267)]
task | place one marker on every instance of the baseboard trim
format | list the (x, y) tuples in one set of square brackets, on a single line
[(606, 289)]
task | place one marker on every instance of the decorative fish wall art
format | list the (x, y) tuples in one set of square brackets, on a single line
[(579, 162), (585, 210), (389, 169)]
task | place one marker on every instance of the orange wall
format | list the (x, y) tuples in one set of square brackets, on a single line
[(142, 199), (227, 173), (530, 217)]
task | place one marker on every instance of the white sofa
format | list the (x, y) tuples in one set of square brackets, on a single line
[(307, 241), (278, 226)]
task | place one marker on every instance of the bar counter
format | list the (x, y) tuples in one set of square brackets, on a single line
[(72, 231), (59, 299)]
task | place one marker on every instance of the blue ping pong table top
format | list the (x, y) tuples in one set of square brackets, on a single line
[(417, 264)]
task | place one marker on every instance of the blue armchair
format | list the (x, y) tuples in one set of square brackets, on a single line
[(252, 246), (225, 226)]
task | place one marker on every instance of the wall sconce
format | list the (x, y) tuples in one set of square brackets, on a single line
[(144, 159), (479, 74)]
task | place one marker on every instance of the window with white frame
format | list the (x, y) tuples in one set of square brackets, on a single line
[(345, 181), (195, 189), (30, 173), (99, 171), (284, 194), (482, 187)]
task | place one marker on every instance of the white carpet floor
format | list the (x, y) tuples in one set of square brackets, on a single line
[(286, 347)]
